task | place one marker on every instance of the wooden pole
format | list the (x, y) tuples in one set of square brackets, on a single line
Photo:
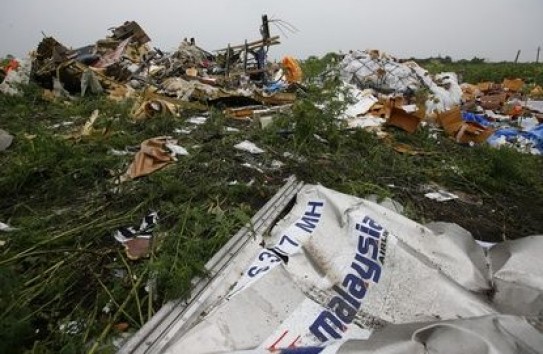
[(245, 57), (265, 29), (516, 58), (227, 60), (537, 56)]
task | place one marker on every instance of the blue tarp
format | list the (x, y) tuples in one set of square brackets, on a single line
[(513, 135), (476, 118)]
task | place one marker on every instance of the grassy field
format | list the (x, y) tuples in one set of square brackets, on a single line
[(62, 266), (473, 73)]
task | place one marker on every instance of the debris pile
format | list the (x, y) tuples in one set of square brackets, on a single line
[(13, 73), (382, 90), (125, 65), (385, 90)]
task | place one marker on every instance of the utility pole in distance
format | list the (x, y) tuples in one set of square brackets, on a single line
[(537, 56), (516, 58)]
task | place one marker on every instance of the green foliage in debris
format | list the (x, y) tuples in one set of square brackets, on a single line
[(313, 66), (65, 283)]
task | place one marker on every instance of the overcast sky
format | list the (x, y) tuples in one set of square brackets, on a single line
[(491, 29)]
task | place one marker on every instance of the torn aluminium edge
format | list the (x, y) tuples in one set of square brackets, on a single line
[(176, 317)]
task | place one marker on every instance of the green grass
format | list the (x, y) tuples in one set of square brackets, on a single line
[(64, 265), (473, 73)]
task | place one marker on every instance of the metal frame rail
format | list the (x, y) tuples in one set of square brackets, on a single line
[(178, 315)]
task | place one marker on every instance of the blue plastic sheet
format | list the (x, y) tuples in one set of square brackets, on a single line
[(513, 135), (476, 118), (275, 87)]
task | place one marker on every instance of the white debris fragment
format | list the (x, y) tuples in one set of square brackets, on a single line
[(497, 117), (248, 165), (182, 131), (62, 124), (276, 164), (411, 108), (320, 139), (107, 308), (486, 245), (70, 327), (364, 100), (16, 78), (6, 227), (536, 106), (176, 149), (296, 158), (116, 152), (528, 123), (441, 196), (366, 122), (197, 120), (248, 146)]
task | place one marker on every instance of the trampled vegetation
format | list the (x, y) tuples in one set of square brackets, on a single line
[(68, 287)]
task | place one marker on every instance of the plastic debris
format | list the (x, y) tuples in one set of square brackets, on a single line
[(197, 120), (249, 147), (441, 196), (17, 74), (116, 152), (137, 241), (71, 327), (530, 141), (364, 100), (536, 106), (176, 149), (6, 227), (123, 64), (5, 140)]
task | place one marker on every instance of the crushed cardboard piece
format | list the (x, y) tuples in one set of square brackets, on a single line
[(152, 156), (488, 86), (537, 91), (493, 102), (463, 132), (514, 85), (470, 92), (403, 120)]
